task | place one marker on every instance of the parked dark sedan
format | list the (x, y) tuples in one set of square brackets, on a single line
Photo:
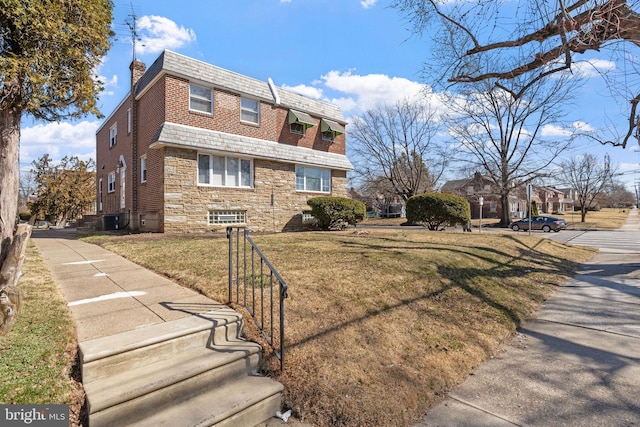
[(544, 223)]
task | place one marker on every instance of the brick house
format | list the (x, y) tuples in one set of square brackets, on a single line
[(194, 147), (480, 186)]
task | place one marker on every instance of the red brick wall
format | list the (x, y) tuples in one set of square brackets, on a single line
[(274, 124), (107, 159)]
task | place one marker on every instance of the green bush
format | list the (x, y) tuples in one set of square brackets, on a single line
[(436, 210), (335, 213), (24, 216)]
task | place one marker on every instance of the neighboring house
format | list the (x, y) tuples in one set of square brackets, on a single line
[(194, 147), (567, 200), (472, 189), (554, 200)]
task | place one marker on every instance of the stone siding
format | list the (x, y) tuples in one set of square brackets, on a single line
[(187, 204)]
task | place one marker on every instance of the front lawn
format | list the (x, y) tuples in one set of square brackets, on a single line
[(380, 323)]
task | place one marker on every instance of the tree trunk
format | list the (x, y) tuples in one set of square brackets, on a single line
[(505, 218), (9, 176), (11, 247), (10, 294)]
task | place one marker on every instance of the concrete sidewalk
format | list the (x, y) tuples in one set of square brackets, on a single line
[(108, 294), (575, 363)]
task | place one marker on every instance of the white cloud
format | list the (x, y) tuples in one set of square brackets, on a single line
[(58, 140), (310, 91), (368, 91), (553, 130), (582, 126), (368, 3), (578, 126), (593, 67), (158, 33), (589, 68)]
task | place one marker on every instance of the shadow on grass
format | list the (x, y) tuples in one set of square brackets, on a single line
[(470, 280)]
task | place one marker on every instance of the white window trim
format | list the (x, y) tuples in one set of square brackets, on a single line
[(209, 100), (111, 182), (211, 184), (256, 111), (128, 121), (322, 180), (226, 217), (100, 195), (329, 135), (113, 135), (295, 132), (143, 168)]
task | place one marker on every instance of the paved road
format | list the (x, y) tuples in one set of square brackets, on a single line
[(576, 362), (611, 241)]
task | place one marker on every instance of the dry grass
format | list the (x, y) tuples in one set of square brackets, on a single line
[(38, 355), (603, 219), (380, 323)]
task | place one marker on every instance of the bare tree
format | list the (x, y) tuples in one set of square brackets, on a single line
[(501, 134), (492, 41), (396, 144), (588, 177)]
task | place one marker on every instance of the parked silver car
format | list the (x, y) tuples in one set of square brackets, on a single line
[(540, 222)]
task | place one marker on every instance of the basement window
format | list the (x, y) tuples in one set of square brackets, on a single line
[(227, 217)]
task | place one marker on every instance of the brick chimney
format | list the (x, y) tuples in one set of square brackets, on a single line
[(137, 70)]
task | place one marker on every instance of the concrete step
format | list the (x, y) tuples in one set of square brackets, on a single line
[(169, 381), (196, 371), (246, 402), (104, 357)]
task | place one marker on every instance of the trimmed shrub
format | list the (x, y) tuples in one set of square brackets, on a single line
[(336, 213), (436, 210)]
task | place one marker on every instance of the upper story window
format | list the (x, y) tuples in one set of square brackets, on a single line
[(113, 135), (200, 98), (313, 179), (470, 189), (224, 171), (111, 182), (298, 128), (330, 129), (299, 122), (129, 121), (249, 111)]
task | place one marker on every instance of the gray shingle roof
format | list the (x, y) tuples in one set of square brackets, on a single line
[(182, 66), (225, 143)]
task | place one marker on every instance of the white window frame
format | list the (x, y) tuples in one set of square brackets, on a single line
[(328, 135), (100, 195), (210, 179), (128, 121), (296, 131), (113, 135), (254, 112), (204, 99), (143, 168), (226, 217), (303, 179), (111, 182)]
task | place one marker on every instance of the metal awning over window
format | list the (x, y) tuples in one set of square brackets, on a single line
[(329, 125), (296, 116)]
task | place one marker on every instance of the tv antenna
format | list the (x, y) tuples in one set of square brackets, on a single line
[(134, 32)]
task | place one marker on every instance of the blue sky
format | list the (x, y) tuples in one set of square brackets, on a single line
[(355, 53)]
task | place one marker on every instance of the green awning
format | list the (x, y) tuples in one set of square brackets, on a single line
[(330, 125), (296, 116)]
